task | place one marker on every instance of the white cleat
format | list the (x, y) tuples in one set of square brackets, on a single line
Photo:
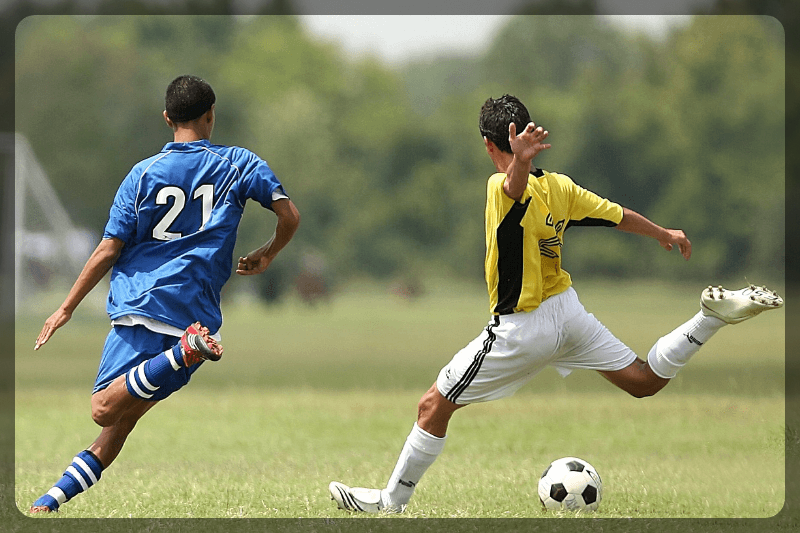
[(736, 306), (358, 499)]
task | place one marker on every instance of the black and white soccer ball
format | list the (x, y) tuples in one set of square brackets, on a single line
[(571, 484)]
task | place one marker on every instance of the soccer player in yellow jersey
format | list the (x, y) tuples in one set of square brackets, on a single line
[(536, 317)]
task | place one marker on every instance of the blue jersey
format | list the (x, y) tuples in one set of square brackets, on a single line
[(178, 213)]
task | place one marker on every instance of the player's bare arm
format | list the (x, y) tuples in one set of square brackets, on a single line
[(258, 260), (525, 147), (98, 264), (633, 222)]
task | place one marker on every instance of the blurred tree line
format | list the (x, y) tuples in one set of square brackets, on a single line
[(386, 163)]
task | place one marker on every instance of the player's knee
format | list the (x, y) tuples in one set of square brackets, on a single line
[(432, 405), (637, 379), (641, 393), (101, 417), (103, 413), (645, 389), (434, 412)]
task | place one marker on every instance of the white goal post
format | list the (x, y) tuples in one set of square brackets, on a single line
[(60, 244)]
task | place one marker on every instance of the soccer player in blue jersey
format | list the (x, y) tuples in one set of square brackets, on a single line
[(536, 317), (169, 243)]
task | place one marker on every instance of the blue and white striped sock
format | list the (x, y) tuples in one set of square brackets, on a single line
[(144, 380), (84, 472)]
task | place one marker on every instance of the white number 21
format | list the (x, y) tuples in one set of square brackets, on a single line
[(206, 191)]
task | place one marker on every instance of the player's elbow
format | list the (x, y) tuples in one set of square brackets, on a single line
[(513, 192)]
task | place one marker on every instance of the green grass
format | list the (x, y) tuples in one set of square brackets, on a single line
[(271, 454), (304, 396)]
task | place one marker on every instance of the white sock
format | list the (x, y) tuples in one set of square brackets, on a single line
[(419, 452), (673, 350)]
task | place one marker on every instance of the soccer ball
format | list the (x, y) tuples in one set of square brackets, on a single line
[(572, 484)]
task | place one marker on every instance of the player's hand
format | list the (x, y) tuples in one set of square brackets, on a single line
[(676, 236), (253, 263), (56, 320), (527, 144)]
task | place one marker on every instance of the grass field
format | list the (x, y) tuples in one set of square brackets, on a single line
[(306, 395)]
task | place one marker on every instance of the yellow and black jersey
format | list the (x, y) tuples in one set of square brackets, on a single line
[(524, 239)]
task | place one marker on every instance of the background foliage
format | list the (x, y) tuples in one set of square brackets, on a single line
[(689, 130), (386, 164)]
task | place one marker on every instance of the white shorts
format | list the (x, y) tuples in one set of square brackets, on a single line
[(514, 348)]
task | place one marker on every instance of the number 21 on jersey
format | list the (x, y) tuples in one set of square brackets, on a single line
[(205, 192)]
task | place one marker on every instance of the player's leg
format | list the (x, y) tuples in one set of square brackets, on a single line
[(422, 446), (119, 402), (195, 346), (637, 379), (434, 412), (108, 444), (146, 379), (667, 356), (718, 307), (492, 366), (87, 466), (113, 402), (420, 449)]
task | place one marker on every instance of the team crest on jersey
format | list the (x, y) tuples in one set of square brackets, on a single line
[(549, 247), (558, 226)]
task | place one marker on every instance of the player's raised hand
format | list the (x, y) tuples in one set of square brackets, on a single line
[(528, 143), (56, 320)]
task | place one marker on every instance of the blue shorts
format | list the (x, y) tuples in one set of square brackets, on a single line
[(127, 346)]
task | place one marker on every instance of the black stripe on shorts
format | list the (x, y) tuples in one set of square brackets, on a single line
[(475, 366)]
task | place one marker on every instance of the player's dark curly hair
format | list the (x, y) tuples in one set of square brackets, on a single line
[(188, 97), (497, 114)]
